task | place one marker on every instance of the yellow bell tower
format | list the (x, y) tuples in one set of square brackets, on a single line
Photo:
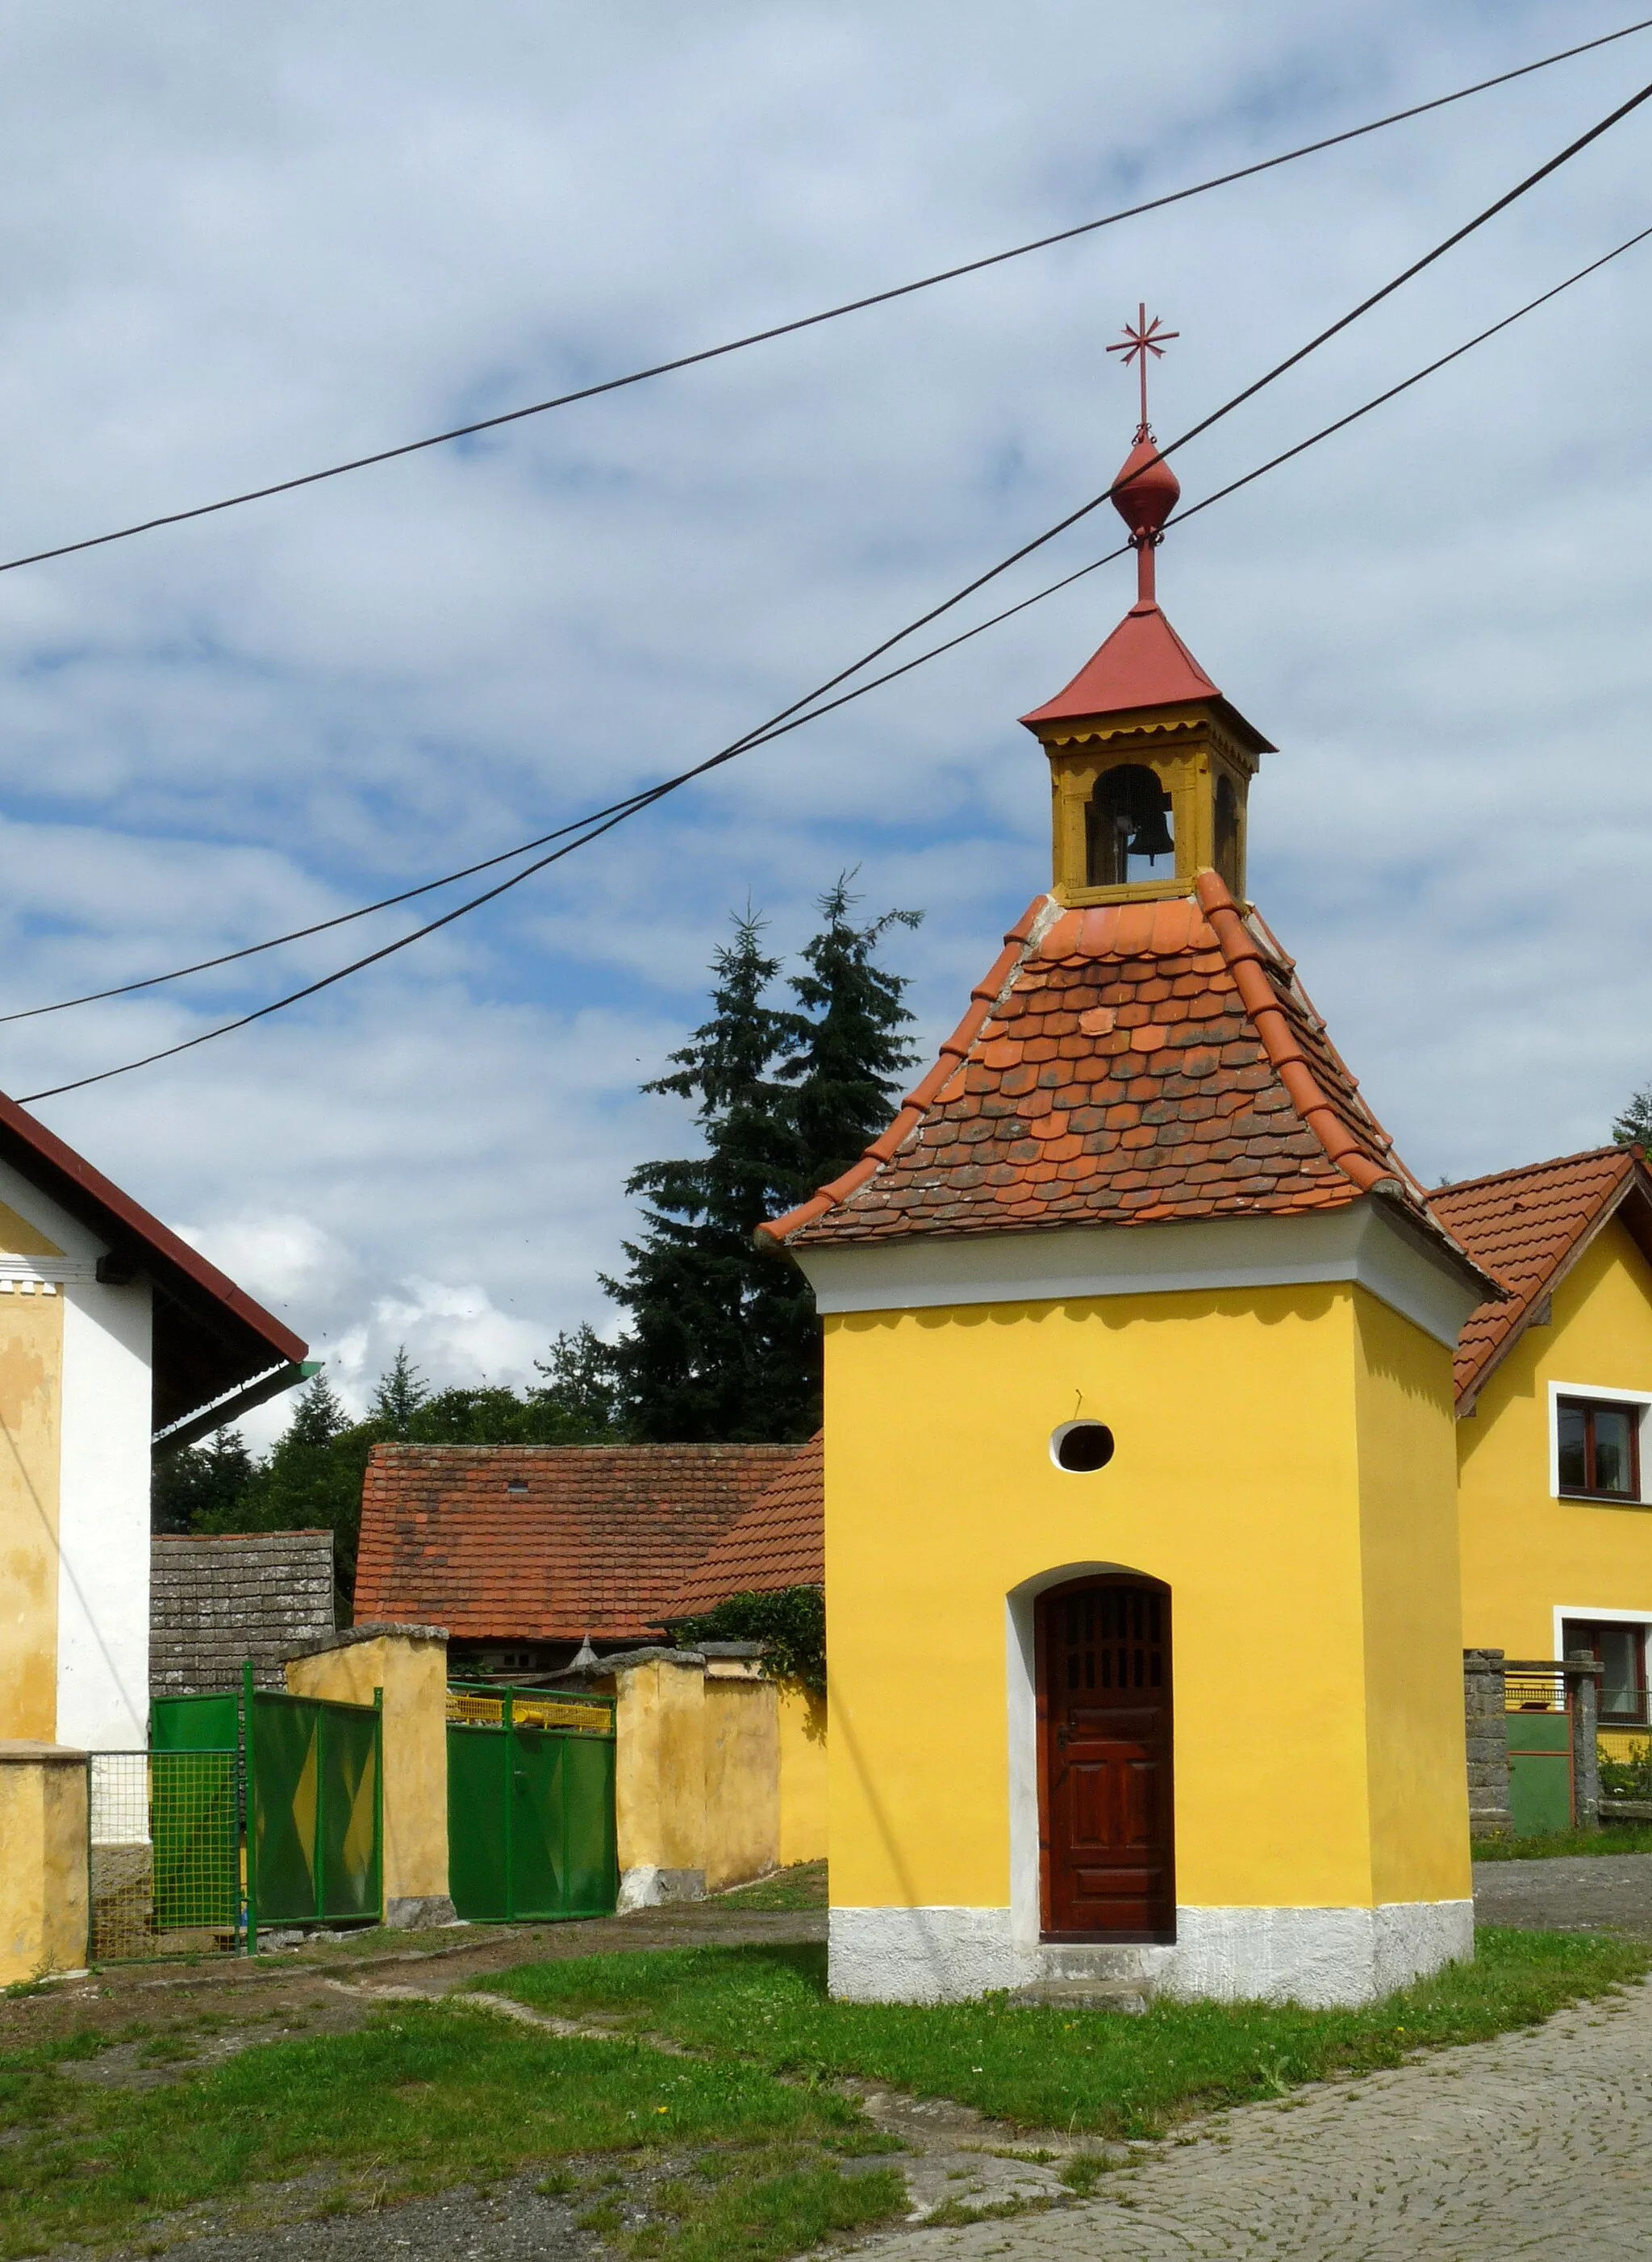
[(1149, 765)]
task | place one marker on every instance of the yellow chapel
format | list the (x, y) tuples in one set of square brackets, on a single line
[(1140, 1470)]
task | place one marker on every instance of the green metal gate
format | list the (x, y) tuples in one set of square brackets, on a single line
[(1539, 1773), (531, 1804), (315, 1810)]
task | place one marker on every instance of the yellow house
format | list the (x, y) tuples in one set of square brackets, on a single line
[(1140, 1479), (1553, 1386)]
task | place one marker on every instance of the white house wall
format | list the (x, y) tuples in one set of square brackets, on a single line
[(103, 1625)]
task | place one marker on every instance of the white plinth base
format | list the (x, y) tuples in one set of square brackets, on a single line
[(1325, 1959)]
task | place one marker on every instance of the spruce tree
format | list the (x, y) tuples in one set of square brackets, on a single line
[(724, 1342), (718, 1347), (398, 1393), (1633, 1127), (848, 1070)]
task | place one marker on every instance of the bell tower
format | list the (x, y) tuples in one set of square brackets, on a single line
[(1149, 765)]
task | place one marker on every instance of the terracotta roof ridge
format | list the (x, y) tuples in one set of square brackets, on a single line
[(1630, 1154), (1245, 961), (1019, 944)]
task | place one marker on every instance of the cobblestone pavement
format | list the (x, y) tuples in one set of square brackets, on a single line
[(1533, 2144), (1576, 1892)]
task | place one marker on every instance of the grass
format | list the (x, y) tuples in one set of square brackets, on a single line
[(803, 1886), (425, 2098), (767, 2007), (1616, 1838)]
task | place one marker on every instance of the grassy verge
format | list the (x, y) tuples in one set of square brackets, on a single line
[(425, 2098), (803, 1886), (1070, 2070), (1616, 1838)]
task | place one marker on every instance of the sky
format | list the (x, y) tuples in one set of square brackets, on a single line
[(237, 243)]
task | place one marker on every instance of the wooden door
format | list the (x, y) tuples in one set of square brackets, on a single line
[(1106, 1818)]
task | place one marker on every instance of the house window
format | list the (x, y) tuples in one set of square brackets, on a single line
[(1621, 1650), (1598, 1448)]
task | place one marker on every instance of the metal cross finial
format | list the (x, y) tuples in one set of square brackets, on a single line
[(1136, 345)]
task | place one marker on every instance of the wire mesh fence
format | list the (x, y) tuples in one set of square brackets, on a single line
[(164, 1864)]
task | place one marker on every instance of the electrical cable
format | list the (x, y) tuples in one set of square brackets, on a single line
[(593, 827), (813, 321)]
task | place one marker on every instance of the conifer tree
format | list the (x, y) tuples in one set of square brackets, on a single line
[(719, 1337), (1633, 1127), (847, 1071), (398, 1394)]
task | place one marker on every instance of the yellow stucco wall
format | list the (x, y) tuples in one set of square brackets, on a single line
[(42, 1860), (1526, 1553), (742, 1775), (412, 1671), (1415, 1755), (803, 1775), (659, 1766), (1250, 1433), (31, 1400)]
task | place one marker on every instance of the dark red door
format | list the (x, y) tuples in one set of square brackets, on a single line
[(1104, 1720)]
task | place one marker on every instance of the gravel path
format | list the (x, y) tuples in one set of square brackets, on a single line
[(1578, 1892)]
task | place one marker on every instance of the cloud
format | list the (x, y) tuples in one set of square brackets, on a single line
[(238, 243)]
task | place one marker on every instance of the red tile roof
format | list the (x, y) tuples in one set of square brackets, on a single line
[(1143, 663), (210, 1336), (779, 1543), (1528, 1228), (1122, 1065), (600, 1542)]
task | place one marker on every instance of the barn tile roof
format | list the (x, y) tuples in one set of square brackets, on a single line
[(779, 1543), (1527, 1228), (600, 1542), (217, 1599), (1127, 1065)]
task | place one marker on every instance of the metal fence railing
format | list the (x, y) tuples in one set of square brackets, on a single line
[(163, 1857)]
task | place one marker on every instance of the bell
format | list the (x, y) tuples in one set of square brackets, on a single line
[(1151, 838)]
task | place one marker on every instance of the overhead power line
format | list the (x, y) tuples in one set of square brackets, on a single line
[(813, 321), (816, 702)]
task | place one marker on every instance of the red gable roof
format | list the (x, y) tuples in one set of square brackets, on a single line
[(1528, 1228), (1143, 663), (780, 1543), (1131, 1063), (600, 1542), (209, 1334)]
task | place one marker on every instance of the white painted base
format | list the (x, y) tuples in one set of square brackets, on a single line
[(1325, 1958), (649, 1886)]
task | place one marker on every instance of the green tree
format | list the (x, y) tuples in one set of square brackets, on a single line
[(792, 1625), (720, 1345), (846, 1071), (199, 1480), (581, 1383), (398, 1395), (1633, 1127)]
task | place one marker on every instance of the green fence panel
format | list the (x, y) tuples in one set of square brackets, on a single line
[(537, 1825), (348, 1832), (195, 1723), (476, 1860), (195, 1831), (592, 1852), (1539, 1773), (283, 1794)]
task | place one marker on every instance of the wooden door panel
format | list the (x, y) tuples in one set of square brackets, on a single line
[(1105, 1730)]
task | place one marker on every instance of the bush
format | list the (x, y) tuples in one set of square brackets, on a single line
[(791, 1624)]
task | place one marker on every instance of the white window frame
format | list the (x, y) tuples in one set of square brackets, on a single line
[(1603, 1396), (1595, 1616)]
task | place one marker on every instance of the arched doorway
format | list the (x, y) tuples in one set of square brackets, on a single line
[(1106, 1817)]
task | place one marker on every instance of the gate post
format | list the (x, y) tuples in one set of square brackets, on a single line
[(249, 1784), (1585, 1711), (1485, 1719)]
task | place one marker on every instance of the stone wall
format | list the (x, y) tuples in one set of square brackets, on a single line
[(216, 1601), (1487, 1743)]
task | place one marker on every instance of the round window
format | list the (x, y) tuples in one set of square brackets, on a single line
[(1081, 1446)]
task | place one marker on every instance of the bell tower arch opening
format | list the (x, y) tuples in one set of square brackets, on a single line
[(1129, 818)]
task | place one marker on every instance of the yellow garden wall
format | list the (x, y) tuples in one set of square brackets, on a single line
[(42, 1860), (742, 1775), (1251, 1430), (697, 1774), (31, 1397), (803, 1775), (1526, 1553)]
